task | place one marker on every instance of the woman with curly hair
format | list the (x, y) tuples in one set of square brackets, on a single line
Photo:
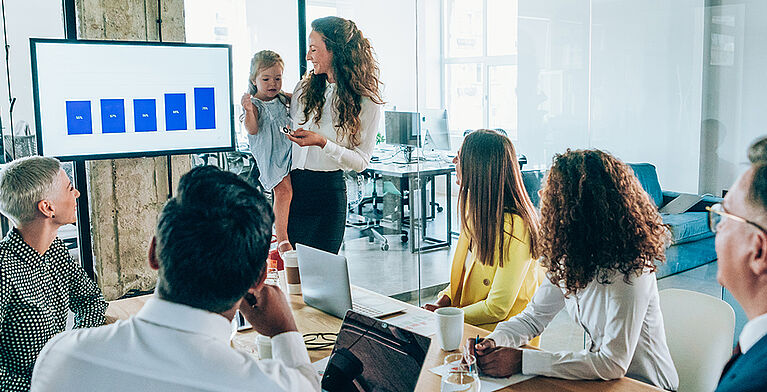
[(600, 238), (495, 271), (336, 110)]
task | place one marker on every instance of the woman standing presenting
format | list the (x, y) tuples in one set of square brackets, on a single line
[(336, 110)]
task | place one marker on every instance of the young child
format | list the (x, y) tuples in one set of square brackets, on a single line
[(266, 114)]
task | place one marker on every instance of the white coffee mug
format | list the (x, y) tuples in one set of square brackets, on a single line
[(449, 328)]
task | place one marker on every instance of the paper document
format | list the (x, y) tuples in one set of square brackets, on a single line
[(320, 365), (488, 384), (424, 324)]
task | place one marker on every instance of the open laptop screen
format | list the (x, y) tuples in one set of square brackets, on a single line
[(373, 355)]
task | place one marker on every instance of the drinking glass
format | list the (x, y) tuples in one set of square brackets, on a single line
[(462, 374)]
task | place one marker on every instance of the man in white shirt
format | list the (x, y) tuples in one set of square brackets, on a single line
[(740, 224), (210, 248)]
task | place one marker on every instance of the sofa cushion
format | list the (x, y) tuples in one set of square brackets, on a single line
[(648, 177), (687, 227)]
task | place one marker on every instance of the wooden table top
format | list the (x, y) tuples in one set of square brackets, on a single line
[(311, 320)]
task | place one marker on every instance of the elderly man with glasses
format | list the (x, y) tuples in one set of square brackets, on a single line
[(741, 247)]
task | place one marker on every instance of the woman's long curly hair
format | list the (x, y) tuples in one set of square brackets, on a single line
[(356, 73), (491, 185), (597, 220)]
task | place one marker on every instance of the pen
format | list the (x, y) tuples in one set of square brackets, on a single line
[(476, 342)]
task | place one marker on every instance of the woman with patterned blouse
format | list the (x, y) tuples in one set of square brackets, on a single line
[(39, 280)]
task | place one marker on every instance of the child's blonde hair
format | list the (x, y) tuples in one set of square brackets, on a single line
[(262, 60)]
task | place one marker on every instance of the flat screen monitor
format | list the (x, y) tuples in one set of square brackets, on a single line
[(434, 129), (118, 99), (402, 128)]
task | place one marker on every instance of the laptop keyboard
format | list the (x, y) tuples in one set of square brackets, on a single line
[(366, 310)]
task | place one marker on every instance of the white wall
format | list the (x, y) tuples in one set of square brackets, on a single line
[(646, 85), (25, 19), (735, 82), (619, 75)]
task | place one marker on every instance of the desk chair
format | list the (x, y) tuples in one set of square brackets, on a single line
[(367, 225), (699, 332)]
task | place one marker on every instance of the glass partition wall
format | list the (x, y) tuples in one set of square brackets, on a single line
[(397, 237), (552, 75)]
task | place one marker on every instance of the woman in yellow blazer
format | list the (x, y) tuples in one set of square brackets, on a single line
[(495, 270)]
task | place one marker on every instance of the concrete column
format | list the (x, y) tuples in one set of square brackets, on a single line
[(127, 194)]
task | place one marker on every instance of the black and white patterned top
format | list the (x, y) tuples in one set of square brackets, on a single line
[(35, 292)]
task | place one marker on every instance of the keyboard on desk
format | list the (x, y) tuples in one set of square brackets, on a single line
[(377, 310)]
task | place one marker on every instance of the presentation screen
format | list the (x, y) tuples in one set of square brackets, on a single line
[(116, 99)]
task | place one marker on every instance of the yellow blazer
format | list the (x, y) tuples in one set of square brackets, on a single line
[(493, 294)]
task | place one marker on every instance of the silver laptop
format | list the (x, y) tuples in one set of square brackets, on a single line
[(681, 203), (325, 286)]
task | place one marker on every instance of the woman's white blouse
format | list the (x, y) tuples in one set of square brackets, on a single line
[(337, 153), (623, 325)]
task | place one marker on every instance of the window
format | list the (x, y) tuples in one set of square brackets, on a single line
[(480, 65)]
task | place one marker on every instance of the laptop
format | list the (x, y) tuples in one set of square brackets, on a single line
[(681, 203), (325, 286), (373, 355)]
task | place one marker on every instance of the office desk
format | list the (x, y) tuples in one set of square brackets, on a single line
[(310, 320), (417, 176)]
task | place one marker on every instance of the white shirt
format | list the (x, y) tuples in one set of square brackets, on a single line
[(169, 347), (337, 154), (753, 332), (624, 325)]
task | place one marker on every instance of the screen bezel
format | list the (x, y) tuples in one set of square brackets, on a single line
[(138, 154)]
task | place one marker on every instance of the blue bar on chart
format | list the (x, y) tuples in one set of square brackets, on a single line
[(175, 112), (145, 115), (204, 108), (79, 118), (113, 116)]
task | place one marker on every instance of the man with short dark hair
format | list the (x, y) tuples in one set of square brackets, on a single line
[(210, 251), (740, 223)]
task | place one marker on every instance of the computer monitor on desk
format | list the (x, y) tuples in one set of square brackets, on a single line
[(434, 129), (402, 129)]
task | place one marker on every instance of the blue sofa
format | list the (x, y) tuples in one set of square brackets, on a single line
[(692, 243)]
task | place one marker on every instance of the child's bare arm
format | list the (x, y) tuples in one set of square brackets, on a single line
[(251, 114)]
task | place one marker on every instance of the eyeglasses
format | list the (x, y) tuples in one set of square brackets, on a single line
[(319, 341), (716, 214)]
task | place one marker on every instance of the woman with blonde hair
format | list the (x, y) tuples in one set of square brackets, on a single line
[(336, 110), (494, 272), (39, 280)]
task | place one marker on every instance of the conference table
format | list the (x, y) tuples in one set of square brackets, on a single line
[(311, 320)]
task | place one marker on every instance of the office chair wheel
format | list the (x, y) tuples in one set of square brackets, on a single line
[(371, 239), (403, 238), (384, 246), (440, 208)]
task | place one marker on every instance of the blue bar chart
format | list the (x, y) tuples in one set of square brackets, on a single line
[(79, 118), (113, 116), (145, 115), (204, 108), (112, 113)]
